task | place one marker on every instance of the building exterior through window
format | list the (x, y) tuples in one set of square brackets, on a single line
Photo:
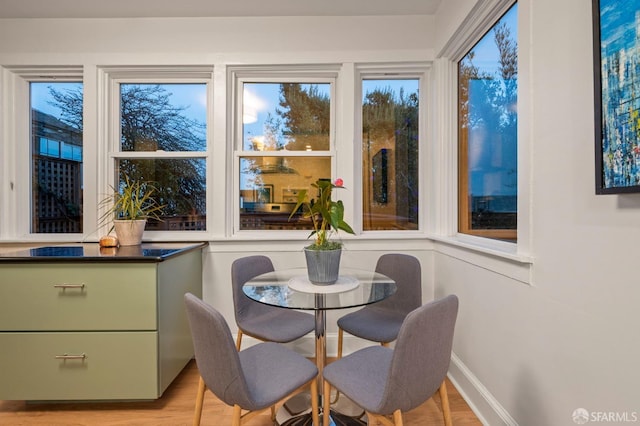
[(56, 152)]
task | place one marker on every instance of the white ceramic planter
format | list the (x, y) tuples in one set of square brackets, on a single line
[(129, 232)]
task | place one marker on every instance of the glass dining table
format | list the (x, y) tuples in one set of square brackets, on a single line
[(291, 289)]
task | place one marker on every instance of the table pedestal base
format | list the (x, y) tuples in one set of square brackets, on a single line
[(296, 412), (337, 419)]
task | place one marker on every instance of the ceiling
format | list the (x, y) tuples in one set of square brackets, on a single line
[(211, 8)]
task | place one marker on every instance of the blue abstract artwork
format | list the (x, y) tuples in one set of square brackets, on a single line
[(617, 70)]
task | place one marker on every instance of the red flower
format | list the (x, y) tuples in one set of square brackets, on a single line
[(338, 182)]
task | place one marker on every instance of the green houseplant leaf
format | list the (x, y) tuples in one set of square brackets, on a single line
[(134, 201), (327, 216)]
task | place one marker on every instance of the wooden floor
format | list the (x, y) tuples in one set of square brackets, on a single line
[(176, 408)]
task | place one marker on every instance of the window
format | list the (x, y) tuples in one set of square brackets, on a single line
[(56, 156), (390, 153), (487, 132), (162, 138), (284, 143)]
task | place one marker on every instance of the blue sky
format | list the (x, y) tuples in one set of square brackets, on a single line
[(40, 95), (260, 99), (263, 98), (191, 96), (409, 86), (486, 51)]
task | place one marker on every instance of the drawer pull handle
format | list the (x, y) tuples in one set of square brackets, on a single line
[(64, 286), (65, 356)]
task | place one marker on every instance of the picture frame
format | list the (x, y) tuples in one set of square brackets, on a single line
[(379, 170), (617, 100), (263, 194)]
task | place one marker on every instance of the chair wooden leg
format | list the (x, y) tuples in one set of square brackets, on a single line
[(273, 413), (371, 421), (444, 398), (237, 415), (326, 404), (374, 419), (239, 340), (397, 417), (199, 401), (384, 344), (314, 402)]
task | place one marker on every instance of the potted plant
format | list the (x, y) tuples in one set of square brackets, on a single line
[(327, 217), (129, 208)]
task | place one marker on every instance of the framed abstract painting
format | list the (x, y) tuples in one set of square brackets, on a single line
[(616, 46)]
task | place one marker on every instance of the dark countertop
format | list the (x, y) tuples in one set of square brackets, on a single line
[(92, 252)]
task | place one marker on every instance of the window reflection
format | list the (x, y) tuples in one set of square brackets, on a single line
[(390, 154), (285, 147), (269, 188), (286, 116), (488, 120)]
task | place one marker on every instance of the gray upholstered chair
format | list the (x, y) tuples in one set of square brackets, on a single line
[(257, 320), (380, 322), (387, 381), (253, 379)]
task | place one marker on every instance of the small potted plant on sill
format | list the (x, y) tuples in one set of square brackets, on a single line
[(129, 208), (327, 217)]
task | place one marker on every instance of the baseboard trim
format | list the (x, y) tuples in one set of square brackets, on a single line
[(480, 400)]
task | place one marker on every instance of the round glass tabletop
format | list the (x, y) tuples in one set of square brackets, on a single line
[(290, 288)]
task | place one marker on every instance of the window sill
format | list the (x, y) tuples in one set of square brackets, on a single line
[(295, 240), (497, 256)]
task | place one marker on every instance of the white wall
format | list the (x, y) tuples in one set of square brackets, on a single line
[(532, 354), (211, 39)]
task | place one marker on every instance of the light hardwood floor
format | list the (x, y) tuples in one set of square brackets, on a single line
[(176, 406)]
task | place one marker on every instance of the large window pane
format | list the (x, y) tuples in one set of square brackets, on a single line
[(56, 151), (163, 130), (390, 154), (269, 188), (181, 189), (488, 119), (163, 117), (284, 145), (291, 116)]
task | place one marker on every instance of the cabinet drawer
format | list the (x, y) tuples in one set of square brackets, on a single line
[(116, 366), (78, 297)]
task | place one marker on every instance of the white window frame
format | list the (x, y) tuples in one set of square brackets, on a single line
[(109, 80), (445, 192), (17, 173), (276, 74), (391, 71)]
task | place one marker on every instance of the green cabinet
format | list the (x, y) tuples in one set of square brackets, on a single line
[(79, 366), (92, 330)]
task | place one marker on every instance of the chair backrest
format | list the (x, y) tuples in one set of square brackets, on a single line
[(406, 272), (421, 355), (215, 352), (242, 270)]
